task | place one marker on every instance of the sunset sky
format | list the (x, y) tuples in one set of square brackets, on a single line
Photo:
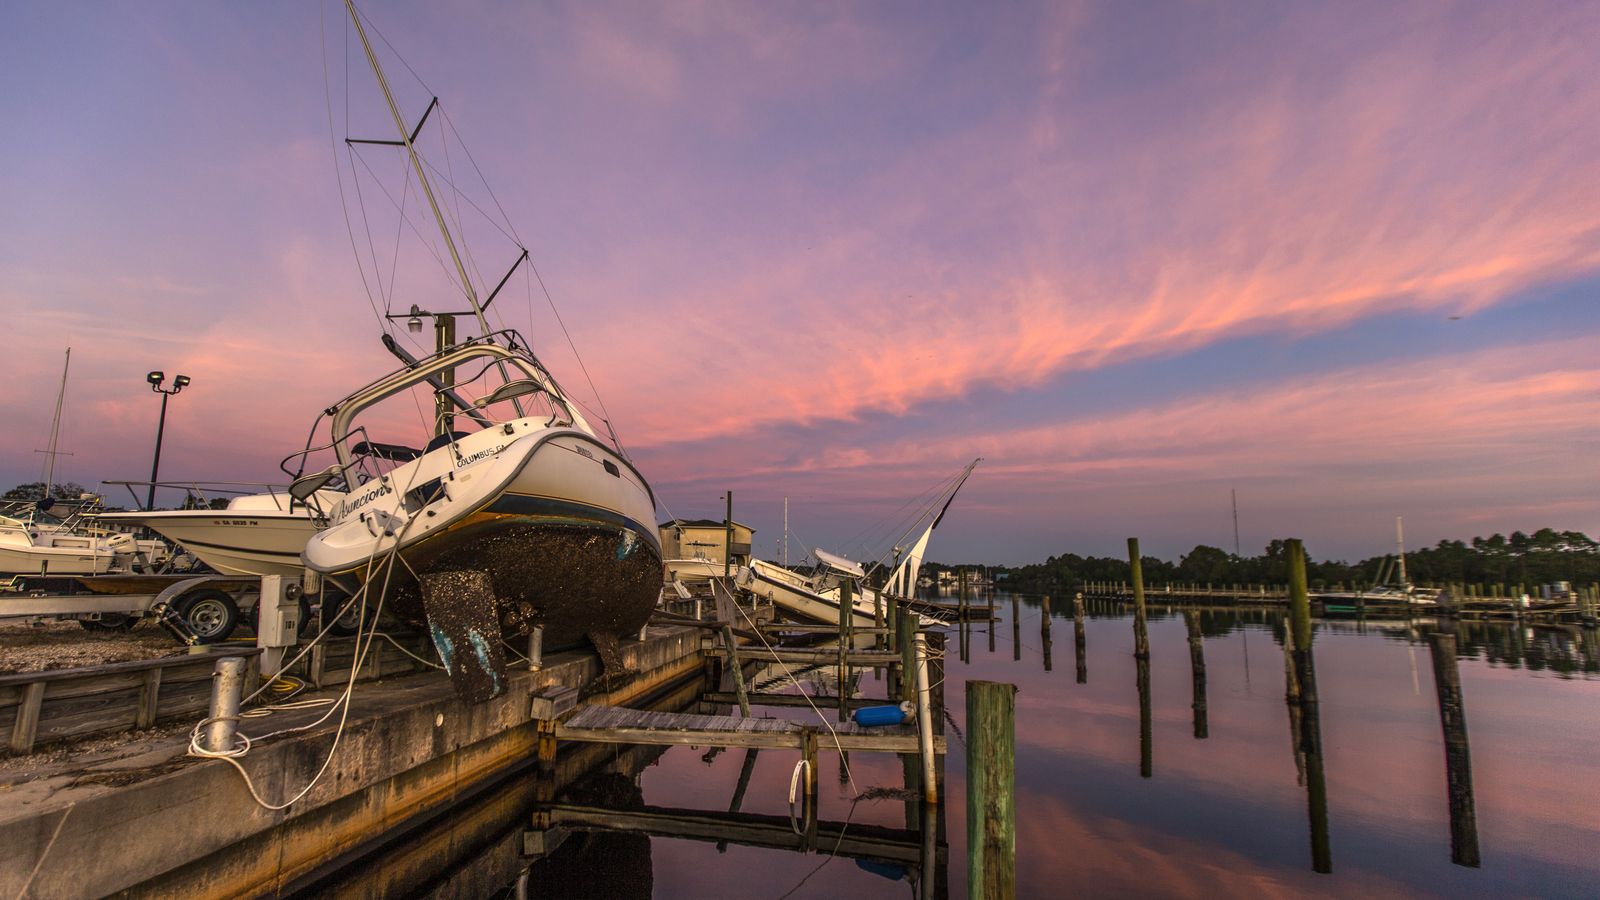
[(1343, 258)]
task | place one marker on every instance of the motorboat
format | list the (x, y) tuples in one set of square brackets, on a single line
[(817, 596), (254, 534)]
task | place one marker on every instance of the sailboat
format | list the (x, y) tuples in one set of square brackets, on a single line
[(1398, 592), (35, 542), (818, 596), (515, 513)]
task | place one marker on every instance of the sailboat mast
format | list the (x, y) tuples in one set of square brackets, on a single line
[(55, 429), (1400, 547), (786, 532), (416, 165), (1235, 493)]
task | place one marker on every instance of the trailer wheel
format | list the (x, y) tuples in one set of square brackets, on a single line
[(209, 614)]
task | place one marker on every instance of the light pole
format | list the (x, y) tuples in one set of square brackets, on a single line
[(178, 383)]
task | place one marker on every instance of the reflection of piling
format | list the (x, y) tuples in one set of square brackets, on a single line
[(1197, 664), (1301, 692), (740, 788), (1457, 756), (1079, 642), (1146, 754), (1044, 629), (1316, 787), (1141, 630), (991, 786), (1016, 631)]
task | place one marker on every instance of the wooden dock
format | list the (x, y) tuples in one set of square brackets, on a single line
[(617, 725)]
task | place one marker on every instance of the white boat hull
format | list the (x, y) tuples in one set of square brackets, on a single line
[(257, 542), (16, 560), (790, 593)]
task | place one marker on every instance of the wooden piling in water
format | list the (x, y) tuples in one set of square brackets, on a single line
[(1457, 754), (846, 619), (1141, 630), (909, 623), (731, 646), (1197, 666), (991, 787), (1300, 622), (1079, 642)]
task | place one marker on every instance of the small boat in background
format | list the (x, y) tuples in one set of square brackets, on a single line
[(260, 533), (817, 597)]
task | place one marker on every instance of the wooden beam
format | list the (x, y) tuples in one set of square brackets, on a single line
[(26, 725)]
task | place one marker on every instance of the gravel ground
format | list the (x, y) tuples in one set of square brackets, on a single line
[(63, 645)]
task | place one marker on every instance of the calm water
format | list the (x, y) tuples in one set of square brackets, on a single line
[(1223, 815)]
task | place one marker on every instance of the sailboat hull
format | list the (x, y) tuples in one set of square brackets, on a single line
[(558, 522)]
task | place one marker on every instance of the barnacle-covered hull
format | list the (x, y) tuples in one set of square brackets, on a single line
[(578, 571)]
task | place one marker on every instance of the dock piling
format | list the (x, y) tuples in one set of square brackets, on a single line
[(1079, 642), (1016, 631), (1457, 754), (227, 690), (846, 610), (991, 786), (1197, 666), (930, 784), (1141, 629), (731, 646)]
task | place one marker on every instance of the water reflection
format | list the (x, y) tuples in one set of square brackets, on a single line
[(1231, 814)]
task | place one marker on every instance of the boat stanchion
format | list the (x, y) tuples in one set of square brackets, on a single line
[(227, 689), (536, 648)]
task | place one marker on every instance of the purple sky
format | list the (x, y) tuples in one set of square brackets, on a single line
[(1133, 255)]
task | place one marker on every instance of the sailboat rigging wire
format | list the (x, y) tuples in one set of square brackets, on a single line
[(338, 169)]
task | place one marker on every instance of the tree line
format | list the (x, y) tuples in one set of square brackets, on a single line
[(1545, 556)]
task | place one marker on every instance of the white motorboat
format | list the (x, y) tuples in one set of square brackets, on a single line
[(256, 534)]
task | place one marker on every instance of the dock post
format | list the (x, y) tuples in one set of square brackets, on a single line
[(227, 686), (1079, 642), (1457, 753), (1016, 631), (930, 784), (1300, 621), (1197, 666), (535, 648), (732, 649), (991, 787), (846, 604), (1141, 629), (908, 655)]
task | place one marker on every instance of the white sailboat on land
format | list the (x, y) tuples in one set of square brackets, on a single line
[(515, 513)]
